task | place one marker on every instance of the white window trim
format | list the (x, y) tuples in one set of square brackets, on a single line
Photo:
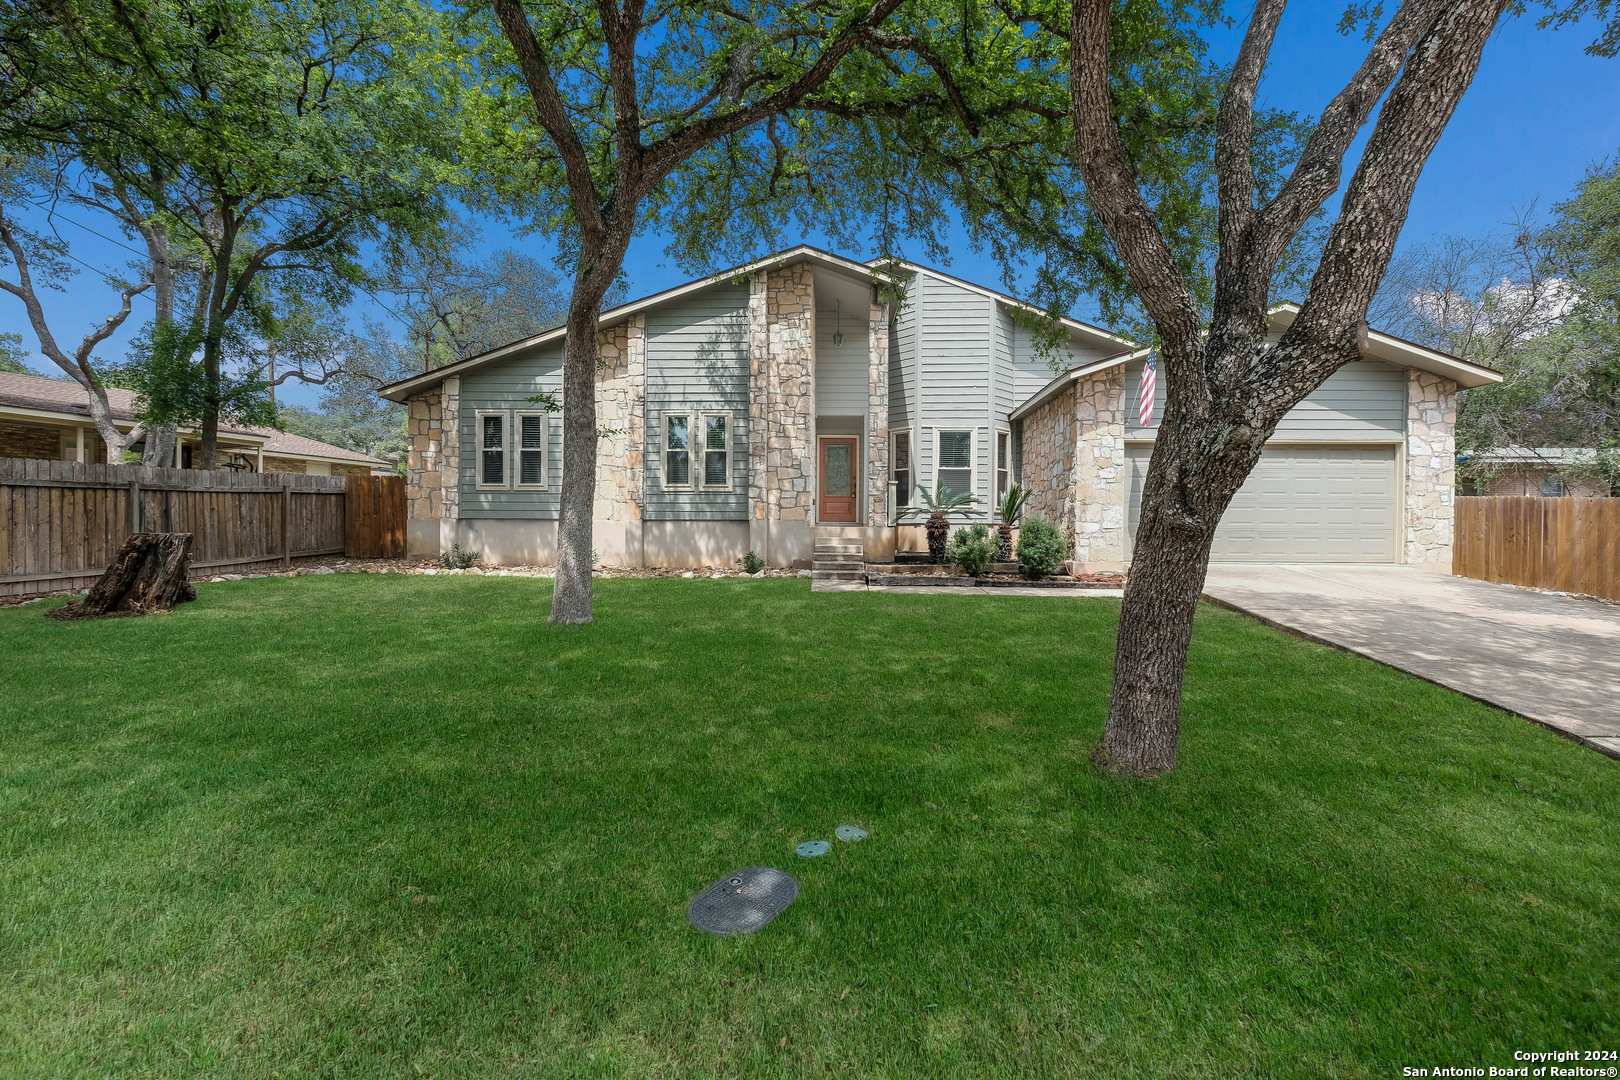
[(700, 466), (895, 504), (973, 458), (478, 449), (515, 452), (692, 462)]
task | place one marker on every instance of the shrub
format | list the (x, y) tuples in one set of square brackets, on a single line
[(457, 558), (973, 549), (1041, 548), (752, 563)]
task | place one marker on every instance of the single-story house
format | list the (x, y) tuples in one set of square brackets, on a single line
[(50, 419), (1549, 471), (808, 394)]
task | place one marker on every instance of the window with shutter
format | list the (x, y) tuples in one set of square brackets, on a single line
[(716, 455), (531, 450), (955, 469), (677, 450), (492, 450), (1003, 464), (902, 468)]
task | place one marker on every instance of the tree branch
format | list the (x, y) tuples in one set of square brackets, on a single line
[(553, 115), (1112, 191)]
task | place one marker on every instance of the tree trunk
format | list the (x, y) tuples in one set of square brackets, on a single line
[(571, 593), (938, 530), (149, 573), (159, 451)]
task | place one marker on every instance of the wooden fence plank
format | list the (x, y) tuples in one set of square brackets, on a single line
[(63, 520), (1568, 545)]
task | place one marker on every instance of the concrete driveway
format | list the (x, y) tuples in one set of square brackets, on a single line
[(1550, 658)]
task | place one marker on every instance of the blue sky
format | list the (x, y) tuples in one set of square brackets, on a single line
[(1538, 114)]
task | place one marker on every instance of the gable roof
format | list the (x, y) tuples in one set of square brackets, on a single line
[(1094, 336), (70, 401), (826, 260), (1380, 346)]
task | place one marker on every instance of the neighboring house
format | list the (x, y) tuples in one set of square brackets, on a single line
[(807, 394), (1550, 471), (50, 419)]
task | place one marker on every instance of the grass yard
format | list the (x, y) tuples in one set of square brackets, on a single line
[(362, 826)]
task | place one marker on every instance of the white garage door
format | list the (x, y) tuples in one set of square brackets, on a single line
[(1302, 504)]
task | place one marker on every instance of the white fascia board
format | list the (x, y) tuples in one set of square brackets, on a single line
[(403, 389), (1402, 353), (1057, 385)]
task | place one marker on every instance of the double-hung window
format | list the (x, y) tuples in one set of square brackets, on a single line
[(697, 451), (902, 468), (716, 429), (531, 430), (677, 451), (493, 450), (955, 467), (1003, 464)]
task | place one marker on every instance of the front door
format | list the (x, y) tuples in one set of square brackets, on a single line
[(840, 485)]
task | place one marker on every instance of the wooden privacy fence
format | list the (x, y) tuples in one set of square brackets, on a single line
[(64, 520), (374, 524), (1571, 545)]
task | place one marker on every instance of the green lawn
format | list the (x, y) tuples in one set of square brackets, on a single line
[(395, 827)]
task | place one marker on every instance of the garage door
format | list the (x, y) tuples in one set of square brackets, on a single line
[(1302, 504)]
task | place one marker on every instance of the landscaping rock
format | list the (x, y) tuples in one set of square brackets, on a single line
[(806, 573), (324, 570), (689, 574), (232, 577), (252, 576)]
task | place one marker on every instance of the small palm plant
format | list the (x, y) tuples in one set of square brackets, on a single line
[(1012, 506), (938, 509)]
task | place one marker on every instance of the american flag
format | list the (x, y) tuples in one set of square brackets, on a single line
[(1150, 382)]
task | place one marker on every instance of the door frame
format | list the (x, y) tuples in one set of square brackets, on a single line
[(857, 474)]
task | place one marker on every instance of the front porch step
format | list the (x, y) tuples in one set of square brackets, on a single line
[(839, 564)]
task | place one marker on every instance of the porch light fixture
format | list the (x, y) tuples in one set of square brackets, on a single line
[(838, 334)]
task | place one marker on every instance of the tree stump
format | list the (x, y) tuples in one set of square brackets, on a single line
[(149, 573)]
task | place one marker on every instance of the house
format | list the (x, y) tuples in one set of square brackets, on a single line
[(1550, 471), (50, 419), (807, 394)]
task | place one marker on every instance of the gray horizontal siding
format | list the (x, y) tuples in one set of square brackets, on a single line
[(841, 370), (505, 385), (697, 361), (956, 352), (1006, 389), (1361, 402), (902, 364)]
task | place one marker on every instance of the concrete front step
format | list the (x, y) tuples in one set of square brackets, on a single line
[(838, 575), (845, 562), (857, 548)]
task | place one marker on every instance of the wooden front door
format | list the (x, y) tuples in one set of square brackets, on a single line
[(840, 482)]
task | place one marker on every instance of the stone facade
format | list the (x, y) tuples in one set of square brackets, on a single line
[(433, 459), (1074, 467), (877, 416), (1431, 462), (781, 401), (621, 409)]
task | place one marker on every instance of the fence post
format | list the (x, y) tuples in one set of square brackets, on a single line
[(286, 523), (134, 507)]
